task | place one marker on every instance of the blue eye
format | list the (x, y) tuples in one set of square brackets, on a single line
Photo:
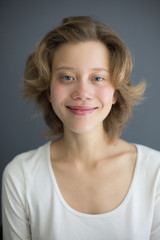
[(68, 78), (98, 79)]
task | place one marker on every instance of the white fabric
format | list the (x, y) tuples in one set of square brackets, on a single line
[(33, 207)]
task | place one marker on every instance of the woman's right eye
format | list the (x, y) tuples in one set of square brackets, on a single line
[(67, 78)]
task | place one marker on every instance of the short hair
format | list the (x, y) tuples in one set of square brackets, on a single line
[(81, 29)]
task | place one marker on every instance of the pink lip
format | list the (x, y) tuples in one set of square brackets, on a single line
[(81, 110)]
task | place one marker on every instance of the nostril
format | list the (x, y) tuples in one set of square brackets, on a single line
[(81, 97)]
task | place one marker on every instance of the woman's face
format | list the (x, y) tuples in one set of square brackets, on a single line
[(81, 93)]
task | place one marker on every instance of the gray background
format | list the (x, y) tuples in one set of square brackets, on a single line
[(24, 23)]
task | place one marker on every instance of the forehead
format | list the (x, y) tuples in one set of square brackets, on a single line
[(90, 53)]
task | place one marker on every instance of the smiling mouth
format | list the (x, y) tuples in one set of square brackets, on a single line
[(81, 110)]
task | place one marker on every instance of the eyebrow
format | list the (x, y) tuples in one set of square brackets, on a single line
[(64, 68), (100, 69), (73, 69)]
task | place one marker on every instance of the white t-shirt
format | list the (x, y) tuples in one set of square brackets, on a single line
[(34, 208)]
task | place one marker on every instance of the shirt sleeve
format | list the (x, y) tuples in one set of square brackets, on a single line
[(14, 208), (155, 234)]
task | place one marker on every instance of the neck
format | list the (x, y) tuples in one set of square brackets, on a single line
[(87, 148)]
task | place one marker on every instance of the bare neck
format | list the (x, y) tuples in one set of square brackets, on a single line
[(85, 149)]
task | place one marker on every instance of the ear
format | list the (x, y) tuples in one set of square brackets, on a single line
[(114, 100)]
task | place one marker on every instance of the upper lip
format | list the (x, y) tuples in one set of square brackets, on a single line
[(81, 107)]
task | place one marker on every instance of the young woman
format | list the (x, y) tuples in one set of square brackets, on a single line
[(87, 184)]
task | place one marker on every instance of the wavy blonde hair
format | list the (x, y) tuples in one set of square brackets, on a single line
[(80, 29)]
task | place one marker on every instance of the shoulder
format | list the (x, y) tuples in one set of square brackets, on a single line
[(148, 164), (24, 174), (148, 154), (25, 163)]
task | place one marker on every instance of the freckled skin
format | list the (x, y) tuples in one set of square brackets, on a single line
[(94, 174), (80, 77)]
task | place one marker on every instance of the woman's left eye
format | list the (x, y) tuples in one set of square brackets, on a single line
[(98, 79)]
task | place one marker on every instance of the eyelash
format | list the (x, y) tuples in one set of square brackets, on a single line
[(98, 80), (70, 78), (65, 78)]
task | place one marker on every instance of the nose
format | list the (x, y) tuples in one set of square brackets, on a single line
[(82, 92)]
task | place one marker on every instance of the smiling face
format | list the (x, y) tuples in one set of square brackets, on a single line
[(81, 93)]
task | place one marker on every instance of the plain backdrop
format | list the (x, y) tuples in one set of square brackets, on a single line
[(23, 23)]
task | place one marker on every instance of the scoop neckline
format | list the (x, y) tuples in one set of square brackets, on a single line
[(86, 215)]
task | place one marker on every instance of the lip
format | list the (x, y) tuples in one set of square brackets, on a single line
[(81, 110)]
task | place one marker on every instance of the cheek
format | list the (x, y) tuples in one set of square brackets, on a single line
[(58, 93), (106, 94)]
